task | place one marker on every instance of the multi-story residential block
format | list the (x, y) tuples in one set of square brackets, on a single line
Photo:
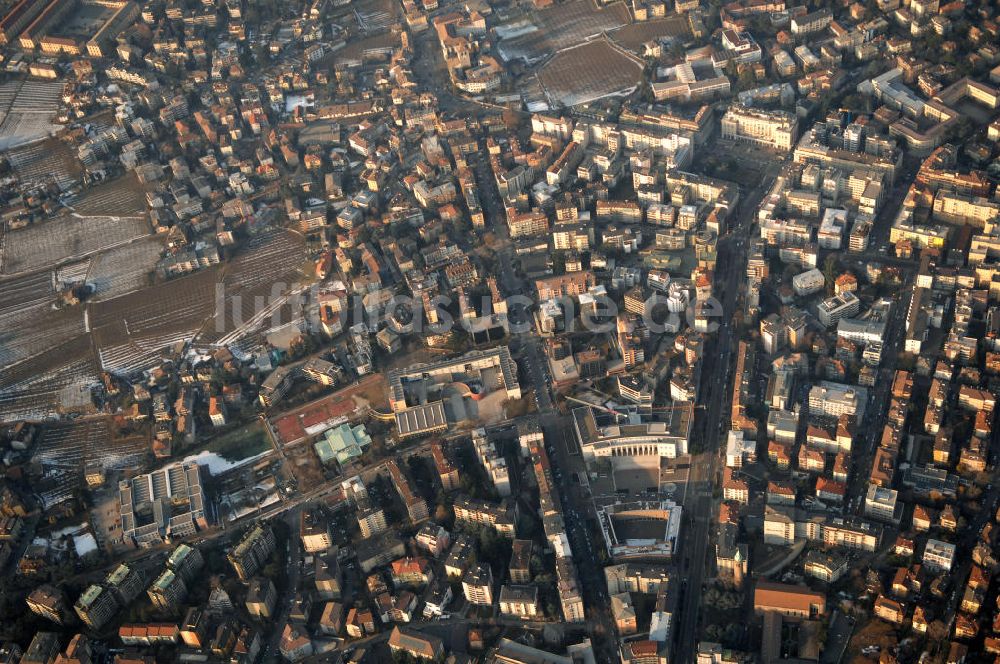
[(314, 533), (520, 561), (447, 471), (371, 519), (835, 399), (807, 24), (126, 582), (883, 504), (261, 597), (167, 591), (416, 506), (186, 561), (501, 517), (96, 606), (493, 463), (458, 560), (837, 307), (252, 552), (938, 556), (774, 129), (519, 601), (49, 602), (827, 567), (477, 585)]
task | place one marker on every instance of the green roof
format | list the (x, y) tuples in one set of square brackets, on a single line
[(89, 595), (165, 579), (118, 574), (178, 555), (342, 443)]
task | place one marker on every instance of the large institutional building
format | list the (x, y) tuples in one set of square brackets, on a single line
[(163, 504), (415, 393), (641, 530), (666, 436), (774, 129)]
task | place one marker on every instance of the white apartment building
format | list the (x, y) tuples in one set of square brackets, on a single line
[(882, 504), (493, 463), (809, 282), (775, 129), (832, 309), (835, 399), (779, 526), (831, 228), (938, 555)]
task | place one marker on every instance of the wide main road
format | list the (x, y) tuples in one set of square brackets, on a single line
[(710, 420)]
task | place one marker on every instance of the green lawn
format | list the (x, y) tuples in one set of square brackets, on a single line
[(241, 443)]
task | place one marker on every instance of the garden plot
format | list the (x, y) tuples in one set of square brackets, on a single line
[(51, 242)]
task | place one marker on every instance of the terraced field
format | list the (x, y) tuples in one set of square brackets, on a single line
[(65, 448), (51, 242), (561, 26), (584, 73), (124, 269), (48, 384), (121, 197)]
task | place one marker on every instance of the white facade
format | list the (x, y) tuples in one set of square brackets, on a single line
[(835, 399), (938, 555), (832, 309), (775, 129), (809, 282), (831, 229)]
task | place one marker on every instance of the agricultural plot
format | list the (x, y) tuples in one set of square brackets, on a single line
[(27, 331), (65, 448), (123, 269), (72, 273), (29, 115), (375, 16), (358, 48), (120, 197), (46, 161), (560, 26), (49, 384), (28, 325), (594, 70), (35, 382), (635, 35), (254, 285), (25, 291), (132, 331), (51, 242)]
